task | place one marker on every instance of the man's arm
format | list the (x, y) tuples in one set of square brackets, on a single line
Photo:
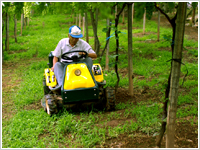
[(55, 59), (92, 55)]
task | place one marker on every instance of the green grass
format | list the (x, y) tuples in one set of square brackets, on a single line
[(35, 129)]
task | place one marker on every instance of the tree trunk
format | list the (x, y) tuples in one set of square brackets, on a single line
[(2, 41), (76, 19), (165, 103), (7, 33), (144, 21), (130, 60), (21, 23), (86, 27), (96, 16), (24, 23), (132, 12), (158, 32), (28, 21), (123, 16), (107, 47), (117, 45), (96, 21), (94, 26), (193, 17), (79, 21), (175, 74), (83, 26), (107, 40), (115, 11), (23, 20), (15, 28)]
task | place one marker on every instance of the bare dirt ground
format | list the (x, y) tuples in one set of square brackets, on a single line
[(186, 135)]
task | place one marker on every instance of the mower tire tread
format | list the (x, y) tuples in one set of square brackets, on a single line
[(110, 99), (51, 104)]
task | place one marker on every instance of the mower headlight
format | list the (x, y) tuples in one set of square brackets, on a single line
[(77, 72)]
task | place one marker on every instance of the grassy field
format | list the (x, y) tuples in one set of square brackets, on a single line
[(26, 125)]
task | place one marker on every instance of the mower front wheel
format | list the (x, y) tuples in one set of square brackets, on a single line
[(51, 105), (110, 98)]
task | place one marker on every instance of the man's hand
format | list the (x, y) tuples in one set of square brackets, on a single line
[(55, 59), (52, 68), (82, 53)]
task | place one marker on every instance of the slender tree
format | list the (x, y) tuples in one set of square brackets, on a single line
[(6, 10), (15, 28), (194, 5), (86, 27), (117, 44), (132, 12), (107, 47), (173, 24), (144, 21), (123, 17), (130, 60), (158, 29), (79, 24), (7, 32), (94, 27), (83, 25), (2, 41), (175, 73)]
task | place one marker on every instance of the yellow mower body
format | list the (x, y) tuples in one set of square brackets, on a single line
[(76, 76), (81, 84)]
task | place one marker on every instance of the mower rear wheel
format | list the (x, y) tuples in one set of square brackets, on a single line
[(51, 105), (110, 98)]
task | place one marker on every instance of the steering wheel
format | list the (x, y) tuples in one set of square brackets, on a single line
[(75, 58)]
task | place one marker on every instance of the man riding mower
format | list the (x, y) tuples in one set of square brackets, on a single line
[(76, 79), (80, 84)]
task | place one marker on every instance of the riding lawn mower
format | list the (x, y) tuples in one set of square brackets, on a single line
[(81, 84)]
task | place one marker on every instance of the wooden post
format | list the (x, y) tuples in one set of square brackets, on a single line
[(175, 74), (144, 21), (158, 32), (132, 12), (123, 16), (15, 28), (83, 26), (7, 32), (80, 20), (86, 26), (21, 23), (107, 48), (115, 11), (130, 61), (76, 19)]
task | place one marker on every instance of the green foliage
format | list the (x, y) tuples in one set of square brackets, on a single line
[(33, 128), (139, 12), (194, 4), (149, 9), (27, 9), (18, 8), (6, 6)]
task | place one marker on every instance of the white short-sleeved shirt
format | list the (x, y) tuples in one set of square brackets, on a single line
[(64, 46)]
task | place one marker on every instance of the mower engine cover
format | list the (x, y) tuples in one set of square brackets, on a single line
[(79, 83)]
